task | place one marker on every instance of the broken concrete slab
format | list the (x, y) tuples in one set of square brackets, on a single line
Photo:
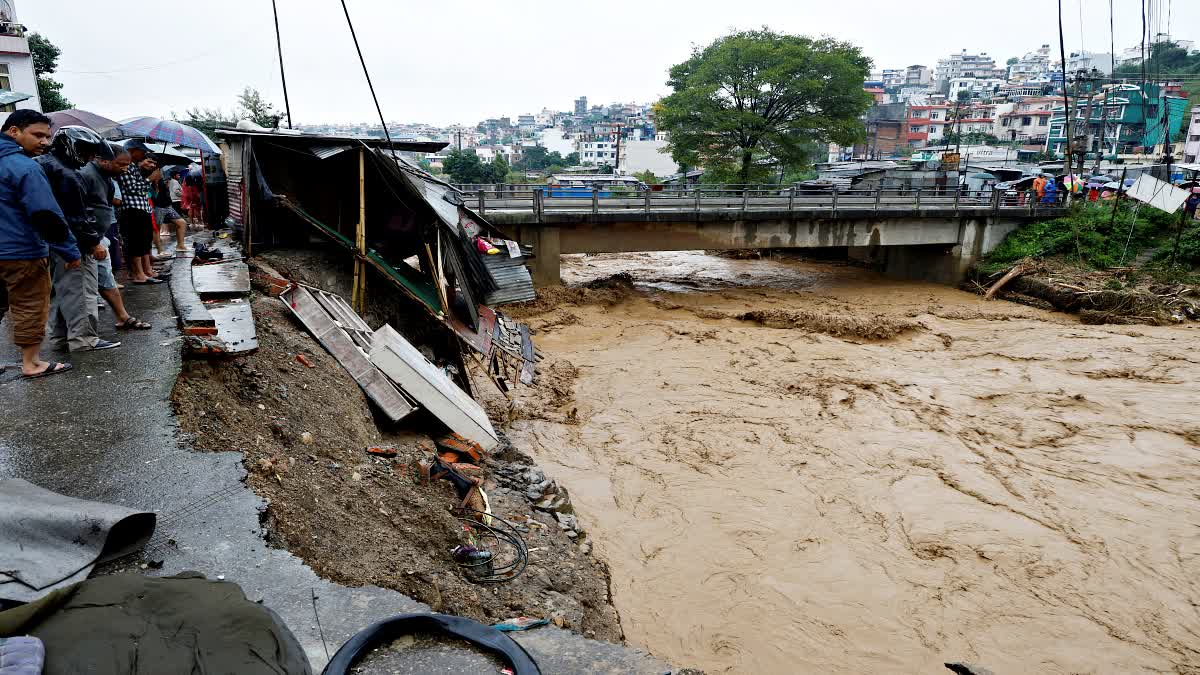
[(224, 278)]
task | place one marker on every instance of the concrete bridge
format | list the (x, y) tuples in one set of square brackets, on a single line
[(919, 234)]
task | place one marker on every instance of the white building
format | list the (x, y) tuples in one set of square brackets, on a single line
[(976, 86), (596, 152), (966, 65), (893, 77), (1101, 61), (1034, 63), (1134, 54), (555, 139), (16, 64), (648, 155), (1191, 146)]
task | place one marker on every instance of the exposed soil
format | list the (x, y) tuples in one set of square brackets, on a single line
[(1006, 486), (359, 519)]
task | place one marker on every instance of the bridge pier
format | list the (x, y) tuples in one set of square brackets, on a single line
[(547, 261)]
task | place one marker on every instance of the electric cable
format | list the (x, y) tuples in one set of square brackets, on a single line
[(366, 73)]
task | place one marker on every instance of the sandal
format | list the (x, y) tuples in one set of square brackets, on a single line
[(149, 282), (53, 369), (133, 323)]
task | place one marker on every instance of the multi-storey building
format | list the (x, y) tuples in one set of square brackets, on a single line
[(18, 82), (966, 65), (1191, 146), (1028, 121), (1134, 118), (926, 124), (1030, 66)]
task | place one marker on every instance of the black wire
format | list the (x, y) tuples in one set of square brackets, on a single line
[(368, 76), (287, 105)]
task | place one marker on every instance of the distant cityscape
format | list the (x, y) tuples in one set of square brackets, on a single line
[(1015, 108)]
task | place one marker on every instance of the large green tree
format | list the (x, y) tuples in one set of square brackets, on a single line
[(254, 107), (753, 101), (45, 61), (464, 166)]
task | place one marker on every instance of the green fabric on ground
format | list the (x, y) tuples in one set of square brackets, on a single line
[(129, 624)]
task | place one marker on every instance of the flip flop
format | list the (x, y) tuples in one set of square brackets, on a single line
[(149, 282), (54, 369), (133, 323)]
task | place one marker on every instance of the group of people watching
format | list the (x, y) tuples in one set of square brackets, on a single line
[(71, 202)]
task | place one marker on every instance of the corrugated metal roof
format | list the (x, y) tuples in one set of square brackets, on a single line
[(10, 97), (287, 137), (327, 151), (512, 279)]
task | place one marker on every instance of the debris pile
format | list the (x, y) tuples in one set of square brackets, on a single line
[(1114, 296)]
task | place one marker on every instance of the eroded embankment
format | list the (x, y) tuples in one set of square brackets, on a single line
[(992, 483)]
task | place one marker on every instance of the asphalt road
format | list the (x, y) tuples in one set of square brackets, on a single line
[(106, 432)]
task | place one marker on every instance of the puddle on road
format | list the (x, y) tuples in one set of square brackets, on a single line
[(1004, 487)]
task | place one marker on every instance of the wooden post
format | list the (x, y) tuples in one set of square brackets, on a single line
[(792, 198), (595, 200), (878, 197), (647, 196), (697, 201), (745, 198), (359, 297), (482, 201), (918, 199)]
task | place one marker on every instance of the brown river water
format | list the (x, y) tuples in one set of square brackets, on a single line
[(1000, 486)]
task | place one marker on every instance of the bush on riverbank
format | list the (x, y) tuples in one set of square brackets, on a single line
[(1103, 241)]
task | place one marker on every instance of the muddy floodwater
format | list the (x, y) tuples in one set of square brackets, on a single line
[(993, 484)]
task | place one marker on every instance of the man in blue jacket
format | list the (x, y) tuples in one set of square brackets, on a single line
[(31, 224)]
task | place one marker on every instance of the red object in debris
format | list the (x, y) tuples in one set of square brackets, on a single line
[(483, 245), (461, 445), (382, 450), (303, 359)]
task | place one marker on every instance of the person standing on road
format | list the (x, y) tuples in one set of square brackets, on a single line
[(99, 195), (165, 213), (72, 322), (137, 225), (31, 225)]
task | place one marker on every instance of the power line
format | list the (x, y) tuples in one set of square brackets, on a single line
[(370, 86), (287, 105)]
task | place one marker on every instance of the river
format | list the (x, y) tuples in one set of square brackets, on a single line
[(996, 485)]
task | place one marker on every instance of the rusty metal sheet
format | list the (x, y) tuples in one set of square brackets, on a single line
[(480, 340)]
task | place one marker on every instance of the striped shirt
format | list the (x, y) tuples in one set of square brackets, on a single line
[(135, 190)]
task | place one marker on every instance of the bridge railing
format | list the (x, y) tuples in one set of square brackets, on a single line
[(541, 200)]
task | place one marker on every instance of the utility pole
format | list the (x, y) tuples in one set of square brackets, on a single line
[(1087, 118), (1103, 134), (1067, 112), (617, 157)]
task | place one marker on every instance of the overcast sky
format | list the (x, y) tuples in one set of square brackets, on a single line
[(459, 61)]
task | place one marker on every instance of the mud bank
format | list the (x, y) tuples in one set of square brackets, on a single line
[(1002, 485), (302, 425)]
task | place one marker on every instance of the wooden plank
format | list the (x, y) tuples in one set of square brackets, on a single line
[(232, 278), (429, 386), (527, 356), (335, 340), (235, 326)]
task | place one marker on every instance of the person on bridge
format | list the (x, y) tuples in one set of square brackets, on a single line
[(31, 225), (1050, 193), (1039, 186)]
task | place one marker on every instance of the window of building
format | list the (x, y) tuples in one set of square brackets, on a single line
[(5, 82), (1026, 121), (914, 130), (933, 116)]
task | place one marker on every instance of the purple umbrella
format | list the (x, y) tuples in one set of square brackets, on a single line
[(81, 118), (168, 132)]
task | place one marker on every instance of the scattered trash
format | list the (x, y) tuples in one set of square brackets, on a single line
[(519, 623), (382, 450), (356, 476), (220, 577), (306, 438), (304, 360)]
